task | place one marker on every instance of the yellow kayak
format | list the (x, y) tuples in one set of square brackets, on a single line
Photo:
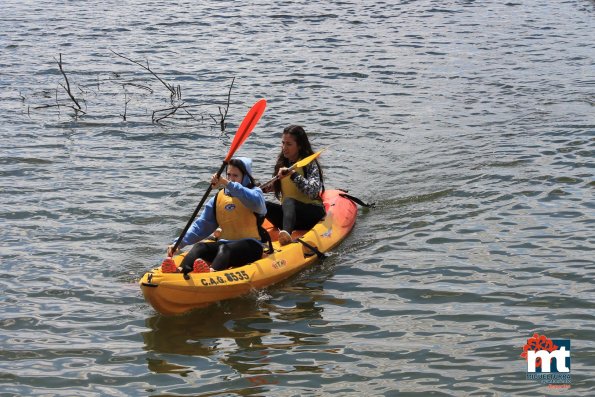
[(170, 293)]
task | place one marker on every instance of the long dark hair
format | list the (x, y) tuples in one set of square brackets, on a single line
[(239, 164), (304, 150)]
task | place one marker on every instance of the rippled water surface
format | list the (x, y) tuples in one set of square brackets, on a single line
[(470, 124)]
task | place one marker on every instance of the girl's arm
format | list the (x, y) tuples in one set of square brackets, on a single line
[(253, 198), (310, 186), (202, 227)]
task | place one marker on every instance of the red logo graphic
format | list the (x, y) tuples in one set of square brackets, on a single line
[(537, 343)]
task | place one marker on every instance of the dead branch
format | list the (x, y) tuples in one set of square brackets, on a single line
[(229, 94), (58, 105), (172, 110), (223, 115), (223, 112), (67, 87), (132, 90), (172, 90), (192, 116), (126, 100), (52, 105), (76, 111), (171, 113), (143, 87)]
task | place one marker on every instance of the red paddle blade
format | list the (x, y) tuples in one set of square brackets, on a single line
[(246, 127)]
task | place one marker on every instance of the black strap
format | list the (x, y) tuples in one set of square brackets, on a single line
[(265, 237), (356, 200), (312, 248)]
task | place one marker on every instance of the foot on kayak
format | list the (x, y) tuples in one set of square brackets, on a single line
[(169, 266), (200, 266), (284, 237)]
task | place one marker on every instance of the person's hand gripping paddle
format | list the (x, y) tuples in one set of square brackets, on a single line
[(299, 164)]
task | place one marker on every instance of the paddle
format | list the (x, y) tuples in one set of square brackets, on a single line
[(242, 134), (302, 163)]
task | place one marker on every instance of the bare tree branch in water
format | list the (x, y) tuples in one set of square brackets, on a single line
[(58, 105), (174, 92), (192, 116), (78, 107), (172, 110), (223, 113), (135, 88), (143, 87), (126, 100)]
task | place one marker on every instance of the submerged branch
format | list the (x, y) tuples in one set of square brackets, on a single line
[(126, 101), (223, 113), (67, 87), (172, 110), (58, 105), (143, 87), (172, 90), (133, 89), (185, 108)]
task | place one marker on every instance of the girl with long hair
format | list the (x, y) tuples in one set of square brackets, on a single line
[(298, 190)]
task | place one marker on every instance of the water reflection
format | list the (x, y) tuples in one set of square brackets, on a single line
[(197, 332), (262, 327)]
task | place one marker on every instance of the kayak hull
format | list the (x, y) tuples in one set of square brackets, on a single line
[(171, 294)]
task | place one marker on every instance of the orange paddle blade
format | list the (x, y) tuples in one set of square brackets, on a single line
[(246, 127)]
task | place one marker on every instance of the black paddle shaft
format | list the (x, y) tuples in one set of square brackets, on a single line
[(202, 201)]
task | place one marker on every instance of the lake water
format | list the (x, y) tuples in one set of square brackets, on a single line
[(470, 124)]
